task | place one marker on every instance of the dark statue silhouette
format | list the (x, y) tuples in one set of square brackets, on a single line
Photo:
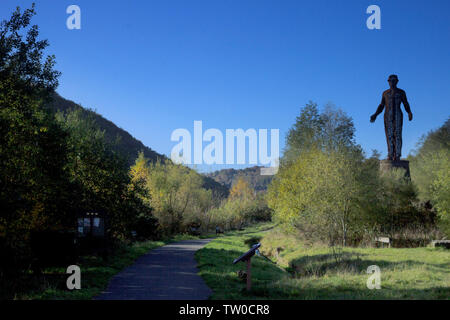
[(393, 117)]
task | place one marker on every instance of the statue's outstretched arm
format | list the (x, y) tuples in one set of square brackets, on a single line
[(406, 106), (379, 109), (406, 103)]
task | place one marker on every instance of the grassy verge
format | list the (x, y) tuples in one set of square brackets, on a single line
[(301, 271), (215, 262), (95, 273)]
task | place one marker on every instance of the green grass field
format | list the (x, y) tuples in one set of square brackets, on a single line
[(295, 270), (292, 270)]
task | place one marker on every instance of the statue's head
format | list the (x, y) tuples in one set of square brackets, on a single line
[(393, 80)]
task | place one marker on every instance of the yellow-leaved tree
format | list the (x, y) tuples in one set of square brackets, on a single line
[(319, 193), (241, 190)]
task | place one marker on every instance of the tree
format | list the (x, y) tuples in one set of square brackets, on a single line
[(328, 130), (23, 70), (318, 185), (32, 145), (241, 190), (145, 223), (174, 190), (99, 175), (304, 133), (319, 193), (430, 172), (140, 170)]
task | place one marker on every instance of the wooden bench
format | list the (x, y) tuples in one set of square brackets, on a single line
[(218, 230), (384, 240), (441, 243)]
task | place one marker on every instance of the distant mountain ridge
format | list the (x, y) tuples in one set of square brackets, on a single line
[(252, 175), (124, 142)]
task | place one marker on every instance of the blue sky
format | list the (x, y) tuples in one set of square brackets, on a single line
[(154, 66)]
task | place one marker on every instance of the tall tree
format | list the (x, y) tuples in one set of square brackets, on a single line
[(430, 167), (329, 130), (319, 193), (32, 145), (99, 175), (174, 190), (318, 185)]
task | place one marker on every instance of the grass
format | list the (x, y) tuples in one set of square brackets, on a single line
[(95, 273), (296, 270)]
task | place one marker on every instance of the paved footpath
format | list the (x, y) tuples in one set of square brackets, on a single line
[(168, 272)]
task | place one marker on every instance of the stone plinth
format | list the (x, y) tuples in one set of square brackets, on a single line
[(386, 165)]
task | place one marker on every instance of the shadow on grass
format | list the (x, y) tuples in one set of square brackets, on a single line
[(262, 230), (289, 290), (252, 241), (308, 282), (346, 262), (247, 232)]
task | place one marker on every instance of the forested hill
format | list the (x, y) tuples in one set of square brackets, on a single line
[(252, 175), (125, 143)]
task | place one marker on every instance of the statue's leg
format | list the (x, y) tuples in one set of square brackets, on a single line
[(389, 130), (398, 134)]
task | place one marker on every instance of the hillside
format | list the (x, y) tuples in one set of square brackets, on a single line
[(127, 146), (125, 143), (228, 177)]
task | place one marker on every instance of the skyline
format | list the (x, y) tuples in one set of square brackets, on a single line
[(152, 68)]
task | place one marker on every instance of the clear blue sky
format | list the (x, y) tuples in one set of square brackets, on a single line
[(154, 66)]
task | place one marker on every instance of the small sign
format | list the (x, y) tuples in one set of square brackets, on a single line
[(247, 257), (250, 253)]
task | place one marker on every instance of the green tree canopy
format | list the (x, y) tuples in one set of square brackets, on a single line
[(430, 167), (32, 145), (329, 130)]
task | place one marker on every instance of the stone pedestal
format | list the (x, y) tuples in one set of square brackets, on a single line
[(386, 165)]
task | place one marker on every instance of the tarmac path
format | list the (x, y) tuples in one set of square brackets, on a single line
[(164, 273)]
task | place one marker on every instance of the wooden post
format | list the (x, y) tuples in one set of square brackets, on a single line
[(247, 257), (249, 274)]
